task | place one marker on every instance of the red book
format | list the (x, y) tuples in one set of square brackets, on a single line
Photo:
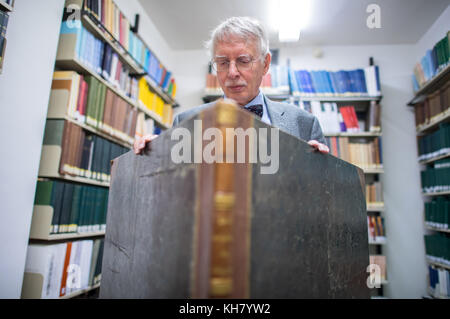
[(354, 118), (62, 291), (347, 119)]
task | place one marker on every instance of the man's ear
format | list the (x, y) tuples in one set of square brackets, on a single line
[(267, 60)]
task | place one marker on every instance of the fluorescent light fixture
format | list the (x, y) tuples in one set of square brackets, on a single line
[(290, 16)]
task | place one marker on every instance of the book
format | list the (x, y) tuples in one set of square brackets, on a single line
[(213, 223)]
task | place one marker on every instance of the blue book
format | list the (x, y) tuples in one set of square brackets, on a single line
[(330, 82), (81, 45), (362, 81), (377, 79), (429, 59), (293, 82), (309, 82), (316, 82), (166, 80), (345, 82), (299, 82)]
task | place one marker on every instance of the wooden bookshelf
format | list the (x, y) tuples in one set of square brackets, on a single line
[(432, 84), (442, 230), (97, 30), (436, 193), (80, 292), (5, 7), (358, 134), (158, 90), (434, 122), (378, 241), (49, 167), (434, 159), (375, 207), (438, 264), (41, 223)]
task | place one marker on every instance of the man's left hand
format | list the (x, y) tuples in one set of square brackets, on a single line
[(322, 148)]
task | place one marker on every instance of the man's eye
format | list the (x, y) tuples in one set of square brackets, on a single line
[(223, 63), (244, 61)]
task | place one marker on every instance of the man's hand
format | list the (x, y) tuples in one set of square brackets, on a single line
[(322, 148), (140, 143)]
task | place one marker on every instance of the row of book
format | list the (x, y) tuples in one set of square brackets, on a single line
[(358, 82), (436, 178), (437, 248), (437, 213), (375, 227), (90, 101), (65, 268), (4, 17), (276, 79), (100, 58), (112, 19), (334, 119), (76, 208), (359, 151), (109, 15), (436, 143), (432, 62), (374, 192), (379, 260), (83, 154), (434, 105), (439, 279), (154, 102)]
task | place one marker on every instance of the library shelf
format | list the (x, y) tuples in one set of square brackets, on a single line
[(375, 207), (111, 136), (5, 7), (80, 292), (98, 30), (156, 117), (433, 122), (378, 241), (434, 158), (442, 230), (49, 167), (437, 264), (74, 64), (436, 193), (354, 134), (430, 86)]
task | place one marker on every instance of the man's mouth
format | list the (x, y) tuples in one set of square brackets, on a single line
[(236, 88)]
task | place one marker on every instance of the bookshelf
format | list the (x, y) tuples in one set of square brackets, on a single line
[(431, 106), (6, 7), (71, 198)]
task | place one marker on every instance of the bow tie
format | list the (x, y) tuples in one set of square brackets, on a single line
[(256, 109)]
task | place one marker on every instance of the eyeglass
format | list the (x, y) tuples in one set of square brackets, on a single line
[(242, 63)]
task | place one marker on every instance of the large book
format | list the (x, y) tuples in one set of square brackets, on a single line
[(200, 229)]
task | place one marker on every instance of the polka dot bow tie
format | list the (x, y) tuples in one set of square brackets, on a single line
[(256, 109)]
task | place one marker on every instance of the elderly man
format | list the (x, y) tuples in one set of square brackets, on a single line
[(241, 57)]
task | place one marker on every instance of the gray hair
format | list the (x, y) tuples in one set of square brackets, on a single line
[(242, 27)]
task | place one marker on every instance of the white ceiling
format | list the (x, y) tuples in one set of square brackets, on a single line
[(186, 24)]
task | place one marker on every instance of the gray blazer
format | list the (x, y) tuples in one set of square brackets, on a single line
[(287, 117)]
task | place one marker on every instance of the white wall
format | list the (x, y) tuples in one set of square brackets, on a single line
[(24, 92)]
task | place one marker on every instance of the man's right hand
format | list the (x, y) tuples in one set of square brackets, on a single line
[(140, 143)]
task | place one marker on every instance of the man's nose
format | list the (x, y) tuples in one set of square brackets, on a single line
[(233, 71)]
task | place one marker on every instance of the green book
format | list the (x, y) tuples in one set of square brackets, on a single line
[(57, 199), (101, 104), (43, 193), (75, 210), (53, 132), (66, 208)]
